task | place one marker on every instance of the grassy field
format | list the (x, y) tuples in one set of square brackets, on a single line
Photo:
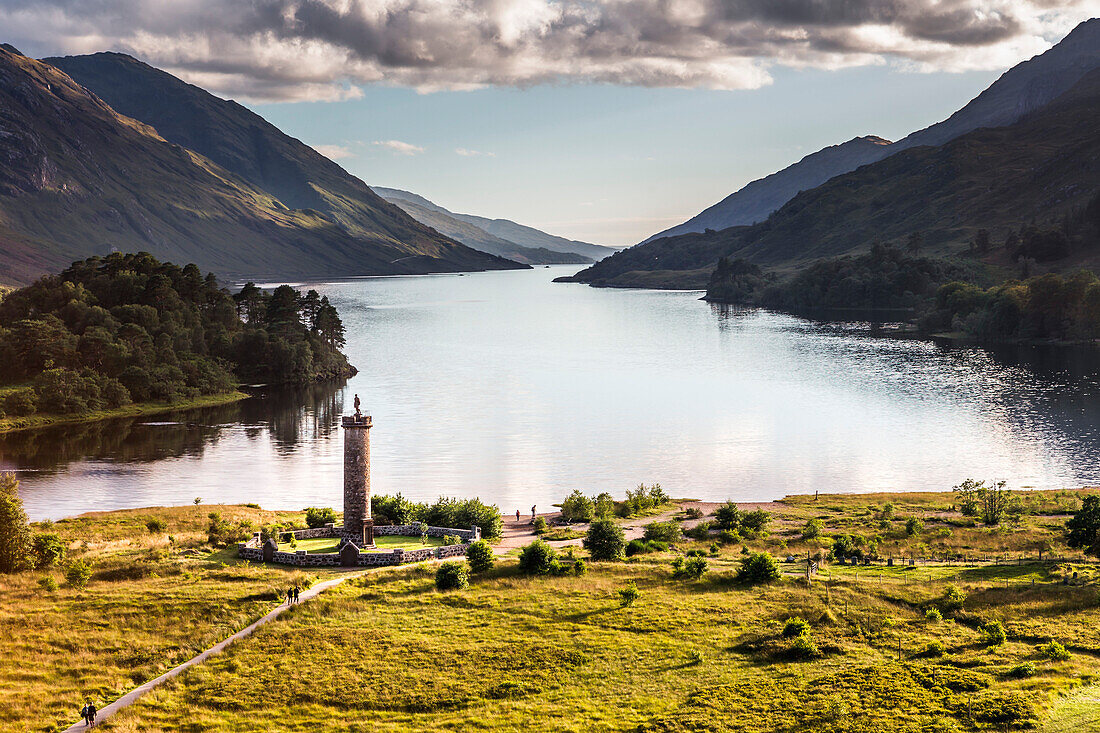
[(11, 424), (387, 652), (154, 599), (381, 542)]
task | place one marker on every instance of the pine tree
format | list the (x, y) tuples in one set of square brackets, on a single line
[(15, 533)]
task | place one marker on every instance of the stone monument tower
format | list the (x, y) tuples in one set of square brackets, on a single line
[(357, 519)]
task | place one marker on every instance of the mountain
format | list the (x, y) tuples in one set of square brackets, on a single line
[(444, 222), (1020, 90), (1041, 170), (286, 170), (524, 236)]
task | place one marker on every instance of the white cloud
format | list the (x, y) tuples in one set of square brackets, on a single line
[(326, 49), (399, 147), (334, 152), (467, 153)]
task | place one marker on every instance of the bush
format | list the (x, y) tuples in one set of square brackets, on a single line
[(933, 615), (537, 558), (604, 506), (47, 549), (803, 647), (579, 567), (934, 649), (700, 531), (636, 547), (450, 540), (1021, 671), (394, 509), (21, 402), (462, 514), (993, 634), (1053, 651), (452, 576), (48, 584), (577, 508), (728, 516), (156, 525), (758, 567), (78, 573), (693, 513), (605, 540), (952, 599), (540, 525), (729, 537), (642, 499), (317, 517), (629, 594), (913, 526), (690, 569), (663, 531), (480, 556), (812, 529), (222, 532), (795, 626), (755, 521), (15, 533)]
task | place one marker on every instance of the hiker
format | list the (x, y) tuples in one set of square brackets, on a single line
[(289, 596), (517, 516), (296, 591), (84, 713), (532, 512), (91, 714)]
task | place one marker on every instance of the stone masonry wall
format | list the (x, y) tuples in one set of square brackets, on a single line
[(253, 549)]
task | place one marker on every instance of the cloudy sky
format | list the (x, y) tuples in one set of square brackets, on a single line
[(605, 120)]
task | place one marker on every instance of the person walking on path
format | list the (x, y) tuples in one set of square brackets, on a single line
[(84, 713), (532, 512), (91, 713), (296, 593), (289, 596), (517, 516)]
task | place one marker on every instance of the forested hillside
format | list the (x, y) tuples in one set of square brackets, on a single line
[(126, 328)]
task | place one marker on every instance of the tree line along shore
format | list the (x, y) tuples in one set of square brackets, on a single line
[(124, 334), (670, 615)]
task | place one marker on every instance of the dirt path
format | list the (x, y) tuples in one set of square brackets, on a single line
[(133, 695), (517, 534)]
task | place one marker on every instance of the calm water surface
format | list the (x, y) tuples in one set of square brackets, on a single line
[(508, 387)]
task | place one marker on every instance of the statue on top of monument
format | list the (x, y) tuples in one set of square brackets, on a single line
[(358, 412)]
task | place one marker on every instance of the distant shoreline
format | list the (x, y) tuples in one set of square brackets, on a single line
[(32, 422)]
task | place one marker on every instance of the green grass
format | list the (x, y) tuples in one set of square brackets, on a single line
[(381, 542), (12, 424)]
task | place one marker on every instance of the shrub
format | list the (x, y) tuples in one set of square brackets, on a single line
[(450, 540), (695, 657), (758, 567), (690, 569), (952, 599), (320, 516), (21, 402), (693, 513), (222, 532), (577, 508), (803, 647), (812, 529), (156, 525), (78, 573), (629, 594), (636, 547), (663, 531), (1021, 671), (933, 615), (1053, 651), (540, 525), (480, 556), (728, 516), (993, 634), (463, 513), (394, 509), (729, 537), (642, 499), (795, 626), (934, 649), (47, 549), (47, 584), (913, 526), (452, 576), (604, 506), (579, 567), (714, 548), (15, 533), (700, 531), (604, 540), (537, 558), (755, 521)]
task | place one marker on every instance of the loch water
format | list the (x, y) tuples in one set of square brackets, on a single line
[(518, 390)]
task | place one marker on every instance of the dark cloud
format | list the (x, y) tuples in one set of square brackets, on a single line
[(291, 49)]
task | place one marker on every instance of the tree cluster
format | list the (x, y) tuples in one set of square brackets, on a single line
[(127, 328), (1046, 307)]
